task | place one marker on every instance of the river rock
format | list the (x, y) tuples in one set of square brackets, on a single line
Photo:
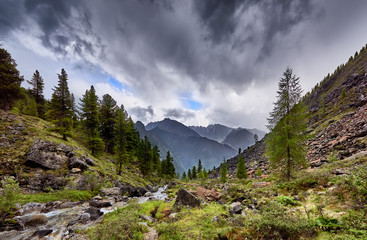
[(31, 220), (31, 207), (41, 233), (48, 155), (114, 191), (94, 212), (84, 217), (185, 198), (100, 204)]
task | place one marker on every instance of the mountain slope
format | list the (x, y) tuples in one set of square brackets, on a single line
[(337, 118), (239, 138), (215, 132), (186, 146)]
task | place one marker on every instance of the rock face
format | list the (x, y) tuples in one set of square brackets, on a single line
[(343, 138), (48, 155), (185, 198)]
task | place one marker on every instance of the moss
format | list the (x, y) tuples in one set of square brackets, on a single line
[(71, 195)]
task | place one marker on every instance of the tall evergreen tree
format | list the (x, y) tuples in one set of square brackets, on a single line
[(37, 92), (120, 138), (9, 80), (156, 163), (107, 117), (200, 167), (205, 174), (184, 177), (145, 156), (287, 139), (60, 111), (74, 110), (241, 168), (189, 175), (90, 120), (223, 172), (194, 173), (169, 168)]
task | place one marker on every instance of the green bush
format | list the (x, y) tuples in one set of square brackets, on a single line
[(357, 183), (274, 222), (327, 224), (286, 200), (9, 193), (93, 181)]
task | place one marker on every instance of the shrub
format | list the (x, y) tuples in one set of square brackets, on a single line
[(8, 196), (286, 200), (327, 224), (357, 183), (274, 222), (93, 181)]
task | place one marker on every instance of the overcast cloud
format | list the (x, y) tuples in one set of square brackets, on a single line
[(198, 62)]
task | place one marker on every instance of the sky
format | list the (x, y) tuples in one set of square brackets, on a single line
[(196, 61)]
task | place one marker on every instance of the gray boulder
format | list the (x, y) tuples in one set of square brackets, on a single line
[(114, 191), (236, 208), (75, 162), (94, 213), (31, 207), (48, 155), (100, 204), (185, 198)]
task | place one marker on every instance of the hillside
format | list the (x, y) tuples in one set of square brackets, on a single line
[(239, 138), (337, 119), (186, 146)]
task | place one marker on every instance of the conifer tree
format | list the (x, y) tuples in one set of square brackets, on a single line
[(223, 172), (156, 163), (145, 156), (189, 175), (120, 138), (169, 168), (286, 140), (194, 173), (74, 110), (37, 92), (107, 114), (9, 80), (184, 177), (200, 167), (90, 120), (60, 111), (205, 174), (241, 168)]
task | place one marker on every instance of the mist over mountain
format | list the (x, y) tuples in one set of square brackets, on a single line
[(186, 145)]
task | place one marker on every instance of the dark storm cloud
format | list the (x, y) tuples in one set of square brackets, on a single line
[(143, 114), (180, 114)]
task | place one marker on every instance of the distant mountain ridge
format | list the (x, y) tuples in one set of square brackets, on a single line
[(186, 145), (210, 144), (234, 137)]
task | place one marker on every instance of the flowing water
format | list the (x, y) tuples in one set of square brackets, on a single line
[(58, 220)]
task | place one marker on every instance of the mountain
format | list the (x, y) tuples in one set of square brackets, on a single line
[(186, 146), (337, 119), (215, 132), (239, 138), (234, 137)]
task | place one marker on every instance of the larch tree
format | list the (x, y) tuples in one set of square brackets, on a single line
[(89, 110), (107, 114), (36, 90), (285, 145), (10, 80), (60, 112)]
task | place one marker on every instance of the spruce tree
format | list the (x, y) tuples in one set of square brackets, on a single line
[(156, 163), (145, 156), (189, 175), (9, 80), (107, 114), (194, 173), (169, 169), (184, 177), (90, 120), (120, 138), (37, 92), (223, 172), (285, 145), (200, 167), (241, 168), (205, 174), (60, 111)]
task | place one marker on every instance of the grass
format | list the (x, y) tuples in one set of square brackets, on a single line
[(71, 195)]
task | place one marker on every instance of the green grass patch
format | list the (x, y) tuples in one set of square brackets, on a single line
[(71, 195)]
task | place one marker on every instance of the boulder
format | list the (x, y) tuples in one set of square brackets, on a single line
[(84, 217), (31, 207), (114, 191), (236, 208), (75, 162), (94, 213), (185, 198), (48, 155), (31, 220), (151, 235), (100, 204)]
